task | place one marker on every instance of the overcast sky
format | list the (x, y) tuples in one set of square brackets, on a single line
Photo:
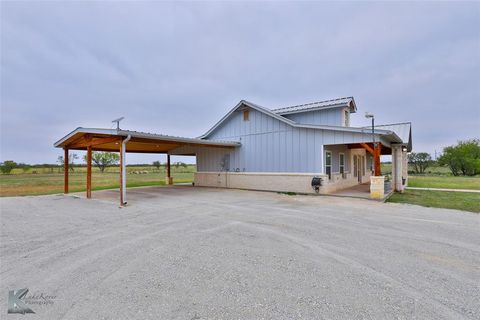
[(177, 68)]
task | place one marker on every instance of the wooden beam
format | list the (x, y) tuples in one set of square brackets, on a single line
[(368, 148), (94, 142), (65, 170), (89, 172)]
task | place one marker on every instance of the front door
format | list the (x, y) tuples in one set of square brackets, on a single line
[(358, 167)]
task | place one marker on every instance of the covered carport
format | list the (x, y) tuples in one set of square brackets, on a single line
[(126, 141)]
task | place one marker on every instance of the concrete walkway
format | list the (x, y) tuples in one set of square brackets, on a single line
[(440, 189)]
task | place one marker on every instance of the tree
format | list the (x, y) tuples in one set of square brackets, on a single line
[(463, 158), (157, 164), (103, 159), (7, 166), (420, 161), (71, 157)]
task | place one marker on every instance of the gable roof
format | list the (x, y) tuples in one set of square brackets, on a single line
[(402, 130), (251, 105), (244, 103), (327, 104)]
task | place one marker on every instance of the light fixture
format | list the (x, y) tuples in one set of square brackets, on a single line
[(404, 149)]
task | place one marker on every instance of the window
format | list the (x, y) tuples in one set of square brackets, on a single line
[(342, 163), (246, 115), (328, 164), (346, 118)]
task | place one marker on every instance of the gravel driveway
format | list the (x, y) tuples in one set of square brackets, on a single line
[(200, 253)]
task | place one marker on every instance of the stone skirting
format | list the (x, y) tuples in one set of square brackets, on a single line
[(273, 181)]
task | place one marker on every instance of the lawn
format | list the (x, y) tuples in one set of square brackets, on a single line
[(51, 183), (445, 182), (439, 199)]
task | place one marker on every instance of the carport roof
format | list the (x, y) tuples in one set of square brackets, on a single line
[(140, 142)]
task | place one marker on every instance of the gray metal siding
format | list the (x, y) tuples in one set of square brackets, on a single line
[(269, 145), (331, 117)]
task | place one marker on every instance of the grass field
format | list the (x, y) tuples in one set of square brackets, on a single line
[(445, 182), (22, 184), (38, 181), (439, 199)]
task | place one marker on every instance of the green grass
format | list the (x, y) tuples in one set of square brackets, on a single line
[(433, 170), (52, 183), (439, 199), (445, 182)]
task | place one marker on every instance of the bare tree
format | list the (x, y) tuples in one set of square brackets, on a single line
[(71, 158)]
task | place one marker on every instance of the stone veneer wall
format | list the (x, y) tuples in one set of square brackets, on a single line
[(268, 181)]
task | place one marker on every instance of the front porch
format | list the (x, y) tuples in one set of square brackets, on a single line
[(362, 191)]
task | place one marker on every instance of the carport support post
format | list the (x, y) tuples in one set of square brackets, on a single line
[(123, 170), (65, 170), (122, 164), (168, 178), (89, 172)]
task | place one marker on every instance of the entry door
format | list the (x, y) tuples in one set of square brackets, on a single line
[(357, 167)]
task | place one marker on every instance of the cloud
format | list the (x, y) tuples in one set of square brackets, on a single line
[(176, 68)]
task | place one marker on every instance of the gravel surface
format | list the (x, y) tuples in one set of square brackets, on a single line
[(200, 253)]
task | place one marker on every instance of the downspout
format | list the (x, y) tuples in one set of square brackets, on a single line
[(124, 170)]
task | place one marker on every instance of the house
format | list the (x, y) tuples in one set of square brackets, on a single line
[(309, 148), (283, 149)]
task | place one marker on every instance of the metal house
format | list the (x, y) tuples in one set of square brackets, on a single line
[(309, 148)]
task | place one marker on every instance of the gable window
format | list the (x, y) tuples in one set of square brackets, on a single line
[(346, 118), (342, 163), (328, 164), (246, 115)]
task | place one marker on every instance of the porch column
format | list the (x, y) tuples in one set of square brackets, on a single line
[(397, 170), (168, 178), (405, 167), (89, 172), (65, 170), (376, 159)]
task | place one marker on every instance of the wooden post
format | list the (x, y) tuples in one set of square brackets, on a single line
[(168, 178), (376, 160), (65, 170), (168, 165), (121, 174), (89, 172)]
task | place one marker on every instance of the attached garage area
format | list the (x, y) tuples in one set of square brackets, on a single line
[(123, 142)]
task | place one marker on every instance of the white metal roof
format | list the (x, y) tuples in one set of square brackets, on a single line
[(334, 103), (402, 130), (145, 135)]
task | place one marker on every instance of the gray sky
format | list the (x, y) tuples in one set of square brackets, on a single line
[(176, 68)]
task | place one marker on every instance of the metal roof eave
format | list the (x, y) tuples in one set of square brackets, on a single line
[(343, 104), (145, 135)]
